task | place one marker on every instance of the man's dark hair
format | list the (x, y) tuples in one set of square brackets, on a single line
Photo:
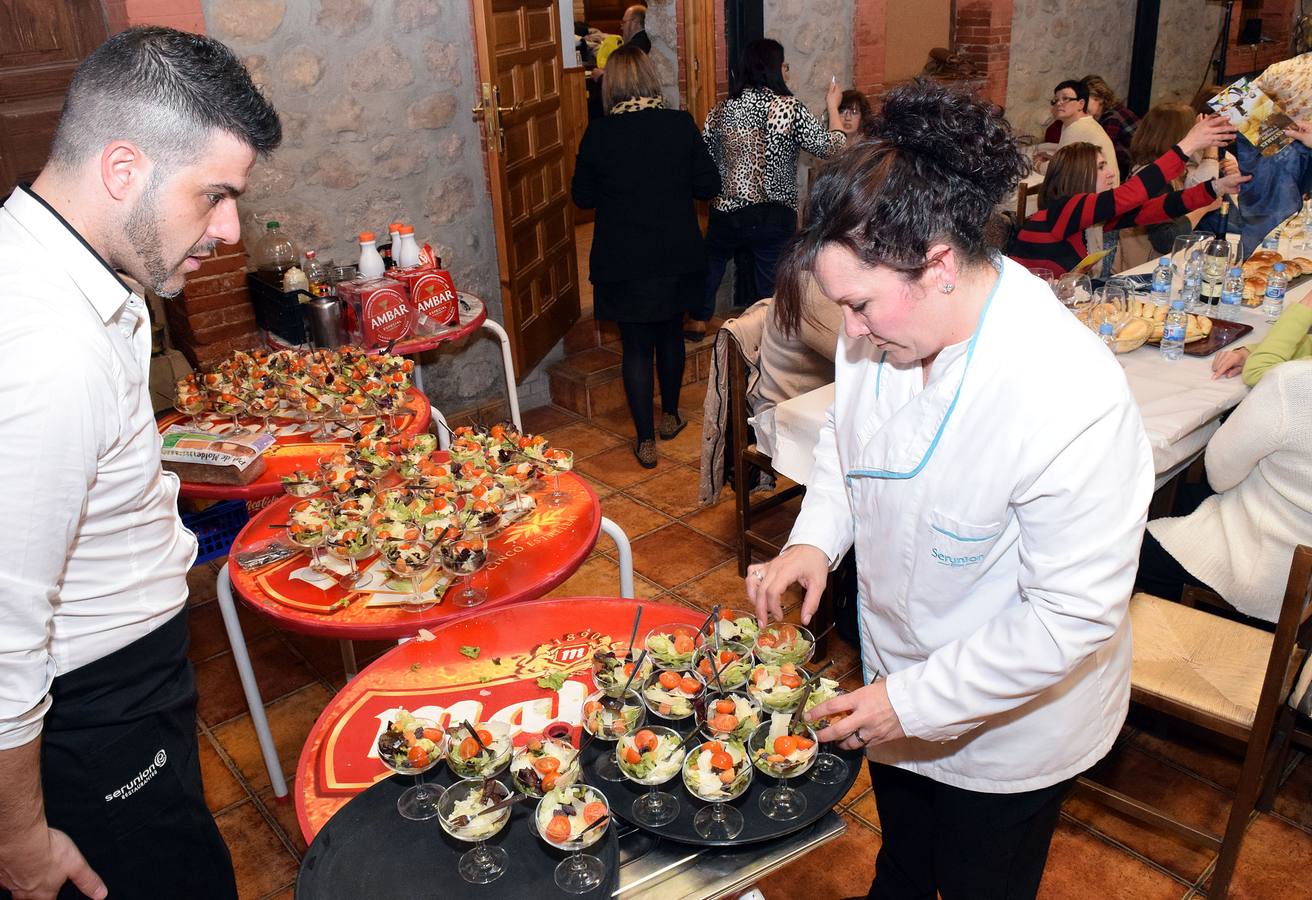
[(1080, 89), (165, 90), (934, 168), (761, 65)]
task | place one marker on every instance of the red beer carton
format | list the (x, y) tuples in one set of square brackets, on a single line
[(376, 311), (432, 293)]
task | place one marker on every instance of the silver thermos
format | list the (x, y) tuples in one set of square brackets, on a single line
[(323, 322)]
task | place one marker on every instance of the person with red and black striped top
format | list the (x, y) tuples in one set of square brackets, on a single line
[(1078, 197)]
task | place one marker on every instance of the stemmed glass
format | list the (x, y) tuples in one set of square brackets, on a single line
[(783, 642), (717, 772), (651, 757), (784, 750), (348, 538), (229, 404), (609, 719), (543, 764), (188, 400), (1074, 290), (723, 670), (584, 825), (673, 695), (560, 461), (464, 557), (412, 560), (307, 528), (486, 757), (729, 717), (463, 812), (263, 405), (411, 746), (829, 768), (672, 646)]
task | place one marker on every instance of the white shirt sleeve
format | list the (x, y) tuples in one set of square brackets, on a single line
[(1081, 524), (50, 415)]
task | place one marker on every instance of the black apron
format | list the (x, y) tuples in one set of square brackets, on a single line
[(121, 773)]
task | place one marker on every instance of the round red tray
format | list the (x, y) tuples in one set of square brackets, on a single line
[(529, 558)]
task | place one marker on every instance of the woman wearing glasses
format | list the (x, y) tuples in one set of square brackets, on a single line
[(1071, 123), (996, 514)]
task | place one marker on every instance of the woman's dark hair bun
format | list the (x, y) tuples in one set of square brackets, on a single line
[(954, 133)]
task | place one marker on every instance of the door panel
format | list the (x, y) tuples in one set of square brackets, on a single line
[(41, 43), (523, 127)]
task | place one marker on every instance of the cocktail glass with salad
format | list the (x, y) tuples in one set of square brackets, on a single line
[(672, 646), (783, 642), (484, 757), (608, 719), (307, 525), (737, 625), (560, 461), (412, 560), (829, 768), (463, 554), (672, 695), (729, 717), (542, 764), (783, 749), (725, 669), (411, 745), (574, 818), (468, 812), (776, 688), (611, 669), (651, 756), (718, 771), (348, 538)]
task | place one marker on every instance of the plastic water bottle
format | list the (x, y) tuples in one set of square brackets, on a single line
[(1173, 331), (1191, 289), (1232, 295), (1163, 275), (371, 263), (1272, 240), (1107, 335), (1274, 302)]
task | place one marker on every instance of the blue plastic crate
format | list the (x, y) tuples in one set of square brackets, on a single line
[(216, 527)]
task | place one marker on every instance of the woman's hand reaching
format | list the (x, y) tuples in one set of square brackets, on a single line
[(870, 718), (800, 564), (1301, 132), (1208, 131)]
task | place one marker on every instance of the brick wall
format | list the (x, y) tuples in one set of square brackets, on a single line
[(868, 46), (213, 314), (1277, 24), (981, 33)]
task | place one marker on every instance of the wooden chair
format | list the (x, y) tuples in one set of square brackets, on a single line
[(1227, 677), (1023, 194), (747, 460)]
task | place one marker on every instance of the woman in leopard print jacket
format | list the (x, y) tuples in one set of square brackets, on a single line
[(755, 137)]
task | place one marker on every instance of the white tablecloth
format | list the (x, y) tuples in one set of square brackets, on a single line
[(1180, 402)]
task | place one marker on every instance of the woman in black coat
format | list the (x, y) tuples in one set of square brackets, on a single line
[(641, 166)]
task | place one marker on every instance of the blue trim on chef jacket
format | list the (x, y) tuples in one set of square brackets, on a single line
[(957, 537)]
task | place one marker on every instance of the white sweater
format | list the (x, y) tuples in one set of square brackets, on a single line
[(1241, 541)]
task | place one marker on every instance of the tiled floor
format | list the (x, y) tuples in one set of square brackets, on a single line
[(683, 554)]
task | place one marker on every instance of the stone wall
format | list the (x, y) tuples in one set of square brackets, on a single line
[(1053, 40), (663, 29), (1186, 33), (374, 100), (817, 45)]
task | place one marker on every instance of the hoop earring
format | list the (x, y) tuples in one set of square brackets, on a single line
[(947, 288)]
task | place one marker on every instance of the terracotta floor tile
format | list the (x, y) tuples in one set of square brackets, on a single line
[(686, 446), (207, 635), (722, 585), (584, 439), (1294, 801), (600, 577), (618, 421), (325, 654), (262, 863), (600, 488), (1206, 754), (778, 522), (284, 812), (1082, 865), (290, 720), (222, 789), (851, 866), (693, 396), (674, 490), (859, 787), (719, 521), (1275, 861), (635, 518), (617, 467), (675, 554), (1145, 778), (201, 583), (278, 671), (288, 894), (845, 656), (544, 418)]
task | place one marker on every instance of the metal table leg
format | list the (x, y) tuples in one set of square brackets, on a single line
[(248, 684), (348, 659), (509, 365), (616, 533)]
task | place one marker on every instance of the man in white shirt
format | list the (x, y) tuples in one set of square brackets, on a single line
[(99, 776)]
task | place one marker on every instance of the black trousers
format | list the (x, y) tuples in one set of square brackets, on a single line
[(763, 230), (947, 841), (643, 343), (121, 773)]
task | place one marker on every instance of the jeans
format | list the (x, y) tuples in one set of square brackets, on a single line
[(763, 229)]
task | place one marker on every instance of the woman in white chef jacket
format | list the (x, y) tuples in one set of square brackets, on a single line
[(987, 460)]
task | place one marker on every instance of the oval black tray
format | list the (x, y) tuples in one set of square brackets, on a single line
[(820, 798), (368, 850)]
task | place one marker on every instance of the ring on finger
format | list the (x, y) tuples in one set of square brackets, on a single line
[(760, 574)]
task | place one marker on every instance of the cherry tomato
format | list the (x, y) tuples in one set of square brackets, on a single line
[(724, 706), (785, 744), (669, 680), (645, 740), (469, 748), (417, 757), (558, 829), (721, 760), (594, 811), (690, 685), (546, 764), (683, 644)]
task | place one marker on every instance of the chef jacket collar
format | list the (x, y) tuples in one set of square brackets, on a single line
[(925, 416), (98, 282)]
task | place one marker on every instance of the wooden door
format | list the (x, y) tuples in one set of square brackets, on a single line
[(699, 57), (41, 43), (524, 139)]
